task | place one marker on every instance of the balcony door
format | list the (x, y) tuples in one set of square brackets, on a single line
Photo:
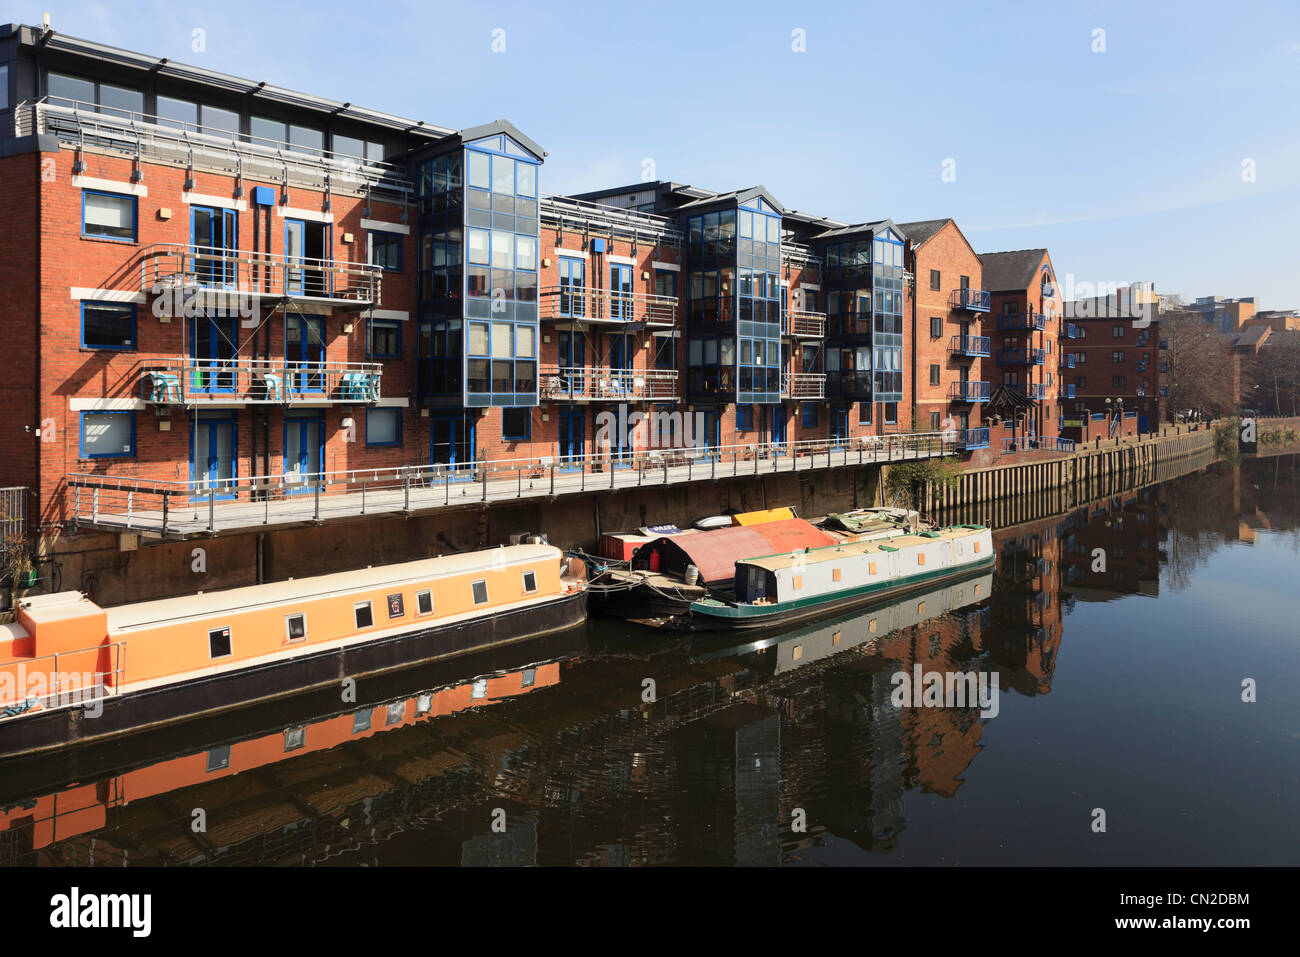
[(212, 454), (620, 293), (304, 354), (572, 428), (305, 247), (839, 426), (213, 348), (304, 449), (776, 419), (621, 348), (451, 441), (572, 350), (214, 236), (571, 292)]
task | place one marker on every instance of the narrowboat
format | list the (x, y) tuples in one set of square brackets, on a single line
[(667, 572), (71, 671), (788, 587)]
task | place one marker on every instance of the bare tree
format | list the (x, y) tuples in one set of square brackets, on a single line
[(1275, 372), (1202, 371)]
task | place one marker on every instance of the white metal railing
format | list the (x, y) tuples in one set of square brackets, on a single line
[(803, 385), (799, 256), (141, 136), (192, 268), (577, 383), (581, 304), (66, 678), (806, 325), (210, 505), (182, 381), (564, 212)]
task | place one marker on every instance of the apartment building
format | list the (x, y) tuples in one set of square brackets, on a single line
[(1116, 358), (1024, 365), (1225, 314), (947, 306)]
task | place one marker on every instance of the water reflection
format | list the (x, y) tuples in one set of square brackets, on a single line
[(552, 751)]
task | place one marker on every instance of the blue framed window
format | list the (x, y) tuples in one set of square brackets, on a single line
[(516, 424), (744, 418), (808, 415), (107, 325), (107, 435), (665, 282), (385, 339), (108, 215), (384, 250), (383, 427), (864, 413), (891, 413)]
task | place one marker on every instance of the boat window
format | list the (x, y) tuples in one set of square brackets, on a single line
[(219, 758), (219, 642), (479, 689), (361, 721), (365, 617), (294, 738), (798, 582), (396, 605), (835, 574), (871, 568), (798, 652), (530, 581), (424, 602), (480, 592), (396, 712), (920, 558), (295, 626), (530, 676)]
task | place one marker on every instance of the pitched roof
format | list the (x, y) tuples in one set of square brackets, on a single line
[(919, 232), (875, 227), (1014, 269)]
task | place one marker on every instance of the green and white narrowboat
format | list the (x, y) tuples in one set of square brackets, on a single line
[(795, 586)]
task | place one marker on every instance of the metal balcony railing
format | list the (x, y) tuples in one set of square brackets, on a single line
[(144, 138), (603, 384), (180, 509), (579, 215), (805, 325), (195, 382), (1067, 391), (1021, 320), (1068, 360), (1031, 390), (175, 266), (797, 256), (1025, 443), (976, 438), (803, 385), (969, 345), (580, 304), (1070, 331), (969, 391), (972, 300)]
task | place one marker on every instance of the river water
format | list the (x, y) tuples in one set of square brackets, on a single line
[(1125, 637)]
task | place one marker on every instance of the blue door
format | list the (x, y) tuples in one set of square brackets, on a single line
[(451, 442), (304, 451), (1142, 422), (214, 234), (706, 434), (572, 299), (572, 422), (840, 426), (213, 348), (304, 353), (213, 461), (305, 248), (621, 348), (572, 355), (620, 293), (777, 415)]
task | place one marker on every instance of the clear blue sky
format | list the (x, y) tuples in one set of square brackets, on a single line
[(1126, 164)]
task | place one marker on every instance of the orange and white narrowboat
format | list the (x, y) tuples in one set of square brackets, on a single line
[(71, 671)]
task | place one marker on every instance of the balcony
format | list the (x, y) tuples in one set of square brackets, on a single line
[(168, 267), (1021, 357), (1030, 390), (579, 304), (1026, 443), (969, 391), (971, 300), (803, 385), (850, 384), (976, 439), (1068, 360), (602, 384), (580, 216), (199, 382), (1071, 331), (1067, 392), (1022, 320), (969, 345), (140, 137), (805, 325)]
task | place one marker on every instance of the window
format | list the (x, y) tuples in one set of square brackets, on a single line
[(396, 603), (808, 415), (1117, 382), (424, 602), (934, 374), (107, 435), (529, 678), (891, 413), (744, 418), (530, 581), (934, 421), (218, 122), (364, 615), (1117, 356), (516, 424), (936, 327), (480, 592), (1117, 332), (303, 139), (383, 427), (935, 282), (4, 86), (295, 627), (384, 249), (964, 282), (219, 758), (665, 283), (107, 325), (178, 114), (360, 722), (1081, 357), (864, 413), (219, 642), (295, 738), (108, 216), (385, 339), (361, 149)]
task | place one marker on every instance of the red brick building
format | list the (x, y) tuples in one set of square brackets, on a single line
[(1113, 362)]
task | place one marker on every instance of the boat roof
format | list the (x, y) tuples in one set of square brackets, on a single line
[(234, 600), (853, 549), (716, 552)]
